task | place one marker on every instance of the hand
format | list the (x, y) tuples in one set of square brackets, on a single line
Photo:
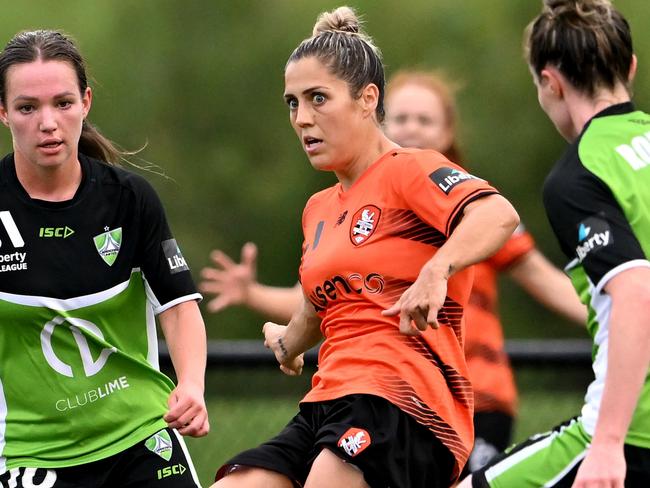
[(273, 339), (603, 467), (228, 281), (419, 305), (187, 412)]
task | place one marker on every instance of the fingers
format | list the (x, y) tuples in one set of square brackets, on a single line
[(199, 426), (294, 368), (249, 255), (187, 414), (432, 318), (406, 325), (222, 259), (394, 310), (218, 304), (212, 274)]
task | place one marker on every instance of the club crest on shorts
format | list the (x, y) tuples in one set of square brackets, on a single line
[(354, 441), (108, 244), (161, 444), (364, 223)]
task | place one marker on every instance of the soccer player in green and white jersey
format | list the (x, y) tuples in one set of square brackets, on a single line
[(597, 198), (86, 261)]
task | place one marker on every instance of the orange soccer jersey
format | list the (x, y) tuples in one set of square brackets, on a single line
[(363, 248), (489, 367)]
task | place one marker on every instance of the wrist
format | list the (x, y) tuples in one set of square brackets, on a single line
[(438, 269)]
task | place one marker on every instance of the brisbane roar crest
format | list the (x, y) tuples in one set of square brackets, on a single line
[(364, 223)]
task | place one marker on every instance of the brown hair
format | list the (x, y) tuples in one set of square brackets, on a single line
[(436, 82), (589, 41), (340, 44), (47, 45)]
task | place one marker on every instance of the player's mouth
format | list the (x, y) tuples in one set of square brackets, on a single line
[(311, 144), (50, 146)]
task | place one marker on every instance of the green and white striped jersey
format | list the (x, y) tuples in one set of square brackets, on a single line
[(80, 284), (597, 198)]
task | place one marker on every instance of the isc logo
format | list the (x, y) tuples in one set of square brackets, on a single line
[(174, 470), (55, 232)]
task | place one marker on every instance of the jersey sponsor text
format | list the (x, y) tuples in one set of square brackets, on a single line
[(448, 178), (15, 261), (93, 395), (353, 283), (637, 152), (593, 234)]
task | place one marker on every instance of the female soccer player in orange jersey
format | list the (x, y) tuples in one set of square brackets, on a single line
[(421, 112), (385, 275)]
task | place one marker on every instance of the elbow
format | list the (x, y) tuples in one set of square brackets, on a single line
[(509, 217)]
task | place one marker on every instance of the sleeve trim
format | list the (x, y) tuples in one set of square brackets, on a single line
[(454, 217), (161, 308), (635, 263)]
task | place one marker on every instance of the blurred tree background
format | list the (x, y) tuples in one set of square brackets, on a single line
[(200, 83)]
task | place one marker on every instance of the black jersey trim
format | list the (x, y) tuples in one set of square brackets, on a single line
[(454, 217)]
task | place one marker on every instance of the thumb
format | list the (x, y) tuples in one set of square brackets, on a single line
[(249, 255)]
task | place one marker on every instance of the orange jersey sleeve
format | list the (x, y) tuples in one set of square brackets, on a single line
[(489, 366), (363, 248), (519, 244)]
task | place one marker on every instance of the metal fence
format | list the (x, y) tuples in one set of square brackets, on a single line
[(528, 352)]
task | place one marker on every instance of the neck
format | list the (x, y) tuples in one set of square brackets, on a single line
[(584, 108), (374, 146), (54, 184)]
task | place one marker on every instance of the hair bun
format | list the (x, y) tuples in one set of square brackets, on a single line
[(343, 19), (577, 4)]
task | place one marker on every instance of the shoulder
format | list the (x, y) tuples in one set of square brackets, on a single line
[(321, 197), (115, 176), (403, 159)]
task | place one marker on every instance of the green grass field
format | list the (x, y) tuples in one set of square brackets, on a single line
[(248, 406)]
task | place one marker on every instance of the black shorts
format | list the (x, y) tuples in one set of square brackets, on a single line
[(389, 447), (159, 461), (492, 434)]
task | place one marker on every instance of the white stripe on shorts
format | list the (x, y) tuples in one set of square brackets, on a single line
[(569, 467), (181, 441)]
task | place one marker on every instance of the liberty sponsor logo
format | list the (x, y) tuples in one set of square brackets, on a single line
[(175, 258), (334, 287), (161, 444), (77, 327), (637, 152), (449, 178), (15, 261), (62, 232), (354, 441), (593, 234), (108, 244), (91, 396), (364, 223)]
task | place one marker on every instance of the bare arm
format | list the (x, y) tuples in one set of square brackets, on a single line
[(548, 285), (485, 226), (236, 284), (289, 342), (184, 332), (628, 357)]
